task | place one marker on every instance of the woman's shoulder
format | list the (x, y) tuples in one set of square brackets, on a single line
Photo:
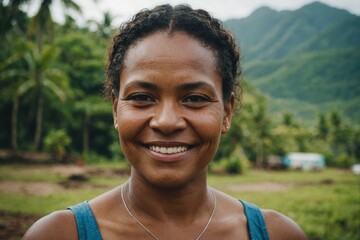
[(54, 226), (278, 225), (281, 227)]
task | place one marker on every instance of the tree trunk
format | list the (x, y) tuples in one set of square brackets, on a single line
[(14, 122), (39, 119), (259, 154), (86, 133)]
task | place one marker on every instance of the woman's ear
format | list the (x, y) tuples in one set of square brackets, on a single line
[(228, 111), (114, 101)]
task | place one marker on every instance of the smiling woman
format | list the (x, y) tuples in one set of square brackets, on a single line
[(172, 75), (170, 98)]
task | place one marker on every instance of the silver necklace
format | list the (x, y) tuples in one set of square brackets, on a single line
[(155, 237)]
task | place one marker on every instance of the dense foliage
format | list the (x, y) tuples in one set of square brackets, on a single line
[(51, 96)]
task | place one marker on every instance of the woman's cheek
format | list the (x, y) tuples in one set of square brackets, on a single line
[(130, 119), (208, 125)]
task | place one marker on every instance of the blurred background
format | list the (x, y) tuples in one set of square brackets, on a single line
[(294, 144)]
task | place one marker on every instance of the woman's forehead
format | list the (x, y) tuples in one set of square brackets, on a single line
[(161, 57), (174, 48)]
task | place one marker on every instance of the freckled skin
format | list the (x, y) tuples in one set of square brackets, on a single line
[(168, 62)]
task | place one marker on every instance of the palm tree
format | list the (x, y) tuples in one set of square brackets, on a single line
[(103, 28), (90, 106), (10, 15), (42, 76), (43, 22), (8, 73)]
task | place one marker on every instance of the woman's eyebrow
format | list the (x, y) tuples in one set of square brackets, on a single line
[(140, 84), (195, 85), (183, 87)]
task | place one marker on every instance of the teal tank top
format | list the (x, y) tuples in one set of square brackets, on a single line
[(85, 221), (89, 230)]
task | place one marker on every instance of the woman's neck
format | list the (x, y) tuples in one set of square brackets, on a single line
[(182, 203)]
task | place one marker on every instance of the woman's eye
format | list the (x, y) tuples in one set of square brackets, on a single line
[(195, 99), (140, 98)]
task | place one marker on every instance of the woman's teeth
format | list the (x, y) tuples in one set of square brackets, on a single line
[(168, 150)]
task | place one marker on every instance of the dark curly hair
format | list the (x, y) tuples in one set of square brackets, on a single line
[(181, 18)]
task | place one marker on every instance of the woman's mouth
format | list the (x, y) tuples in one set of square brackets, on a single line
[(168, 150)]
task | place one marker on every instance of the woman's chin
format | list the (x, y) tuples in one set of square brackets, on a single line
[(169, 180)]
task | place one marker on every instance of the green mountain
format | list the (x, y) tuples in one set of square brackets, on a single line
[(307, 60)]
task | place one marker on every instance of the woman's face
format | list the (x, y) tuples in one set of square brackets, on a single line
[(170, 113)]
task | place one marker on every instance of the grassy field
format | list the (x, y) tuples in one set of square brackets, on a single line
[(325, 204)]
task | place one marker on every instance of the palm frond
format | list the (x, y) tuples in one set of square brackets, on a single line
[(55, 89)]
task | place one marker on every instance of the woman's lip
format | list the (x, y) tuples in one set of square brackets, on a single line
[(168, 158), (167, 144)]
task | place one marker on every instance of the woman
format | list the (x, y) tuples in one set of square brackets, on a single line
[(171, 76)]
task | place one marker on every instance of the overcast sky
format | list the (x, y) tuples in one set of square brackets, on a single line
[(223, 9)]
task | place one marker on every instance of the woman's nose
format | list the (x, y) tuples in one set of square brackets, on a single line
[(168, 118)]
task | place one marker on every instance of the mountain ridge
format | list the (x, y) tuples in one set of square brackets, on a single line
[(317, 46), (277, 27)]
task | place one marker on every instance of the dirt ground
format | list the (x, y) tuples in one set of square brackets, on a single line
[(13, 226)]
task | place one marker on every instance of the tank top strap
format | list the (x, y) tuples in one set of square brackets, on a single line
[(86, 223), (255, 220)]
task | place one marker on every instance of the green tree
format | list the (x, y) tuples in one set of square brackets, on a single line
[(104, 28), (323, 127), (83, 62), (43, 78), (356, 145), (57, 141), (288, 119), (11, 16), (7, 72), (335, 119), (42, 24), (262, 131), (69, 26), (250, 128), (91, 106), (342, 139)]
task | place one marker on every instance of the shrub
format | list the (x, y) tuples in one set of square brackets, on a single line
[(237, 162), (57, 141)]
